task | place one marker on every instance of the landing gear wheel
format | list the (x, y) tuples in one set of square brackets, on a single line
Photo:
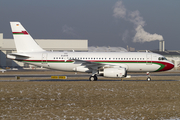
[(93, 78), (148, 79)]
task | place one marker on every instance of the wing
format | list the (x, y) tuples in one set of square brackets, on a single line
[(92, 65)]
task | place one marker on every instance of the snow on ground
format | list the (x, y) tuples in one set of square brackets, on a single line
[(90, 100)]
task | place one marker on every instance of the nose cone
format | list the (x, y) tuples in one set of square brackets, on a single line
[(168, 66)]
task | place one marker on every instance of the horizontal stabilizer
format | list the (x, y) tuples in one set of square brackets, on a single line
[(19, 55)]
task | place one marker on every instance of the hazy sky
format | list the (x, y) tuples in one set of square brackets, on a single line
[(115, 23)]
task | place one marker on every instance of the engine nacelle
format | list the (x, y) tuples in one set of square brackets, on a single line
[(113, 72)]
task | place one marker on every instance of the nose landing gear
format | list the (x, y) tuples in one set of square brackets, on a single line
[(148, 77)]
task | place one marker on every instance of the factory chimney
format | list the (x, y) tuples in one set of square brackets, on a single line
[(161, 45)]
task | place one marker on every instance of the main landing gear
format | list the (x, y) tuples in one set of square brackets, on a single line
[(93, 78), (148, 77)]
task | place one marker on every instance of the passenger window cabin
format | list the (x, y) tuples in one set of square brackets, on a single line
[(86, 58)]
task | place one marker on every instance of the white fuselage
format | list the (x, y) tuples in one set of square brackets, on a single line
[(132, 61)]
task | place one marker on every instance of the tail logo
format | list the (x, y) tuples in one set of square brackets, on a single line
[(20, 33)]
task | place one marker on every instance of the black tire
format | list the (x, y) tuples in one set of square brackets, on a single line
[(93, 78)]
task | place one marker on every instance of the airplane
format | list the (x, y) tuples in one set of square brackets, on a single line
[(107, 64)]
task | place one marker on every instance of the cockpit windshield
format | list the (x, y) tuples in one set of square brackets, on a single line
[(162, 58)]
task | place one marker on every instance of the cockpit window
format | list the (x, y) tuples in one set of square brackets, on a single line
[(162, 58)]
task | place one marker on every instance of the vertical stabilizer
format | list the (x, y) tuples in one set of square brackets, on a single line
[(23, 41)]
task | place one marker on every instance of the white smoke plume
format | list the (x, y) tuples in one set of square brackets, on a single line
[(119, 10), (135, 18), (143, 36)]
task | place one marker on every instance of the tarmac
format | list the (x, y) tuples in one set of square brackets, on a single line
[(46, 75)]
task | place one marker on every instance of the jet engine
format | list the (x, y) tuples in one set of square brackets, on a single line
[(113, 72)]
